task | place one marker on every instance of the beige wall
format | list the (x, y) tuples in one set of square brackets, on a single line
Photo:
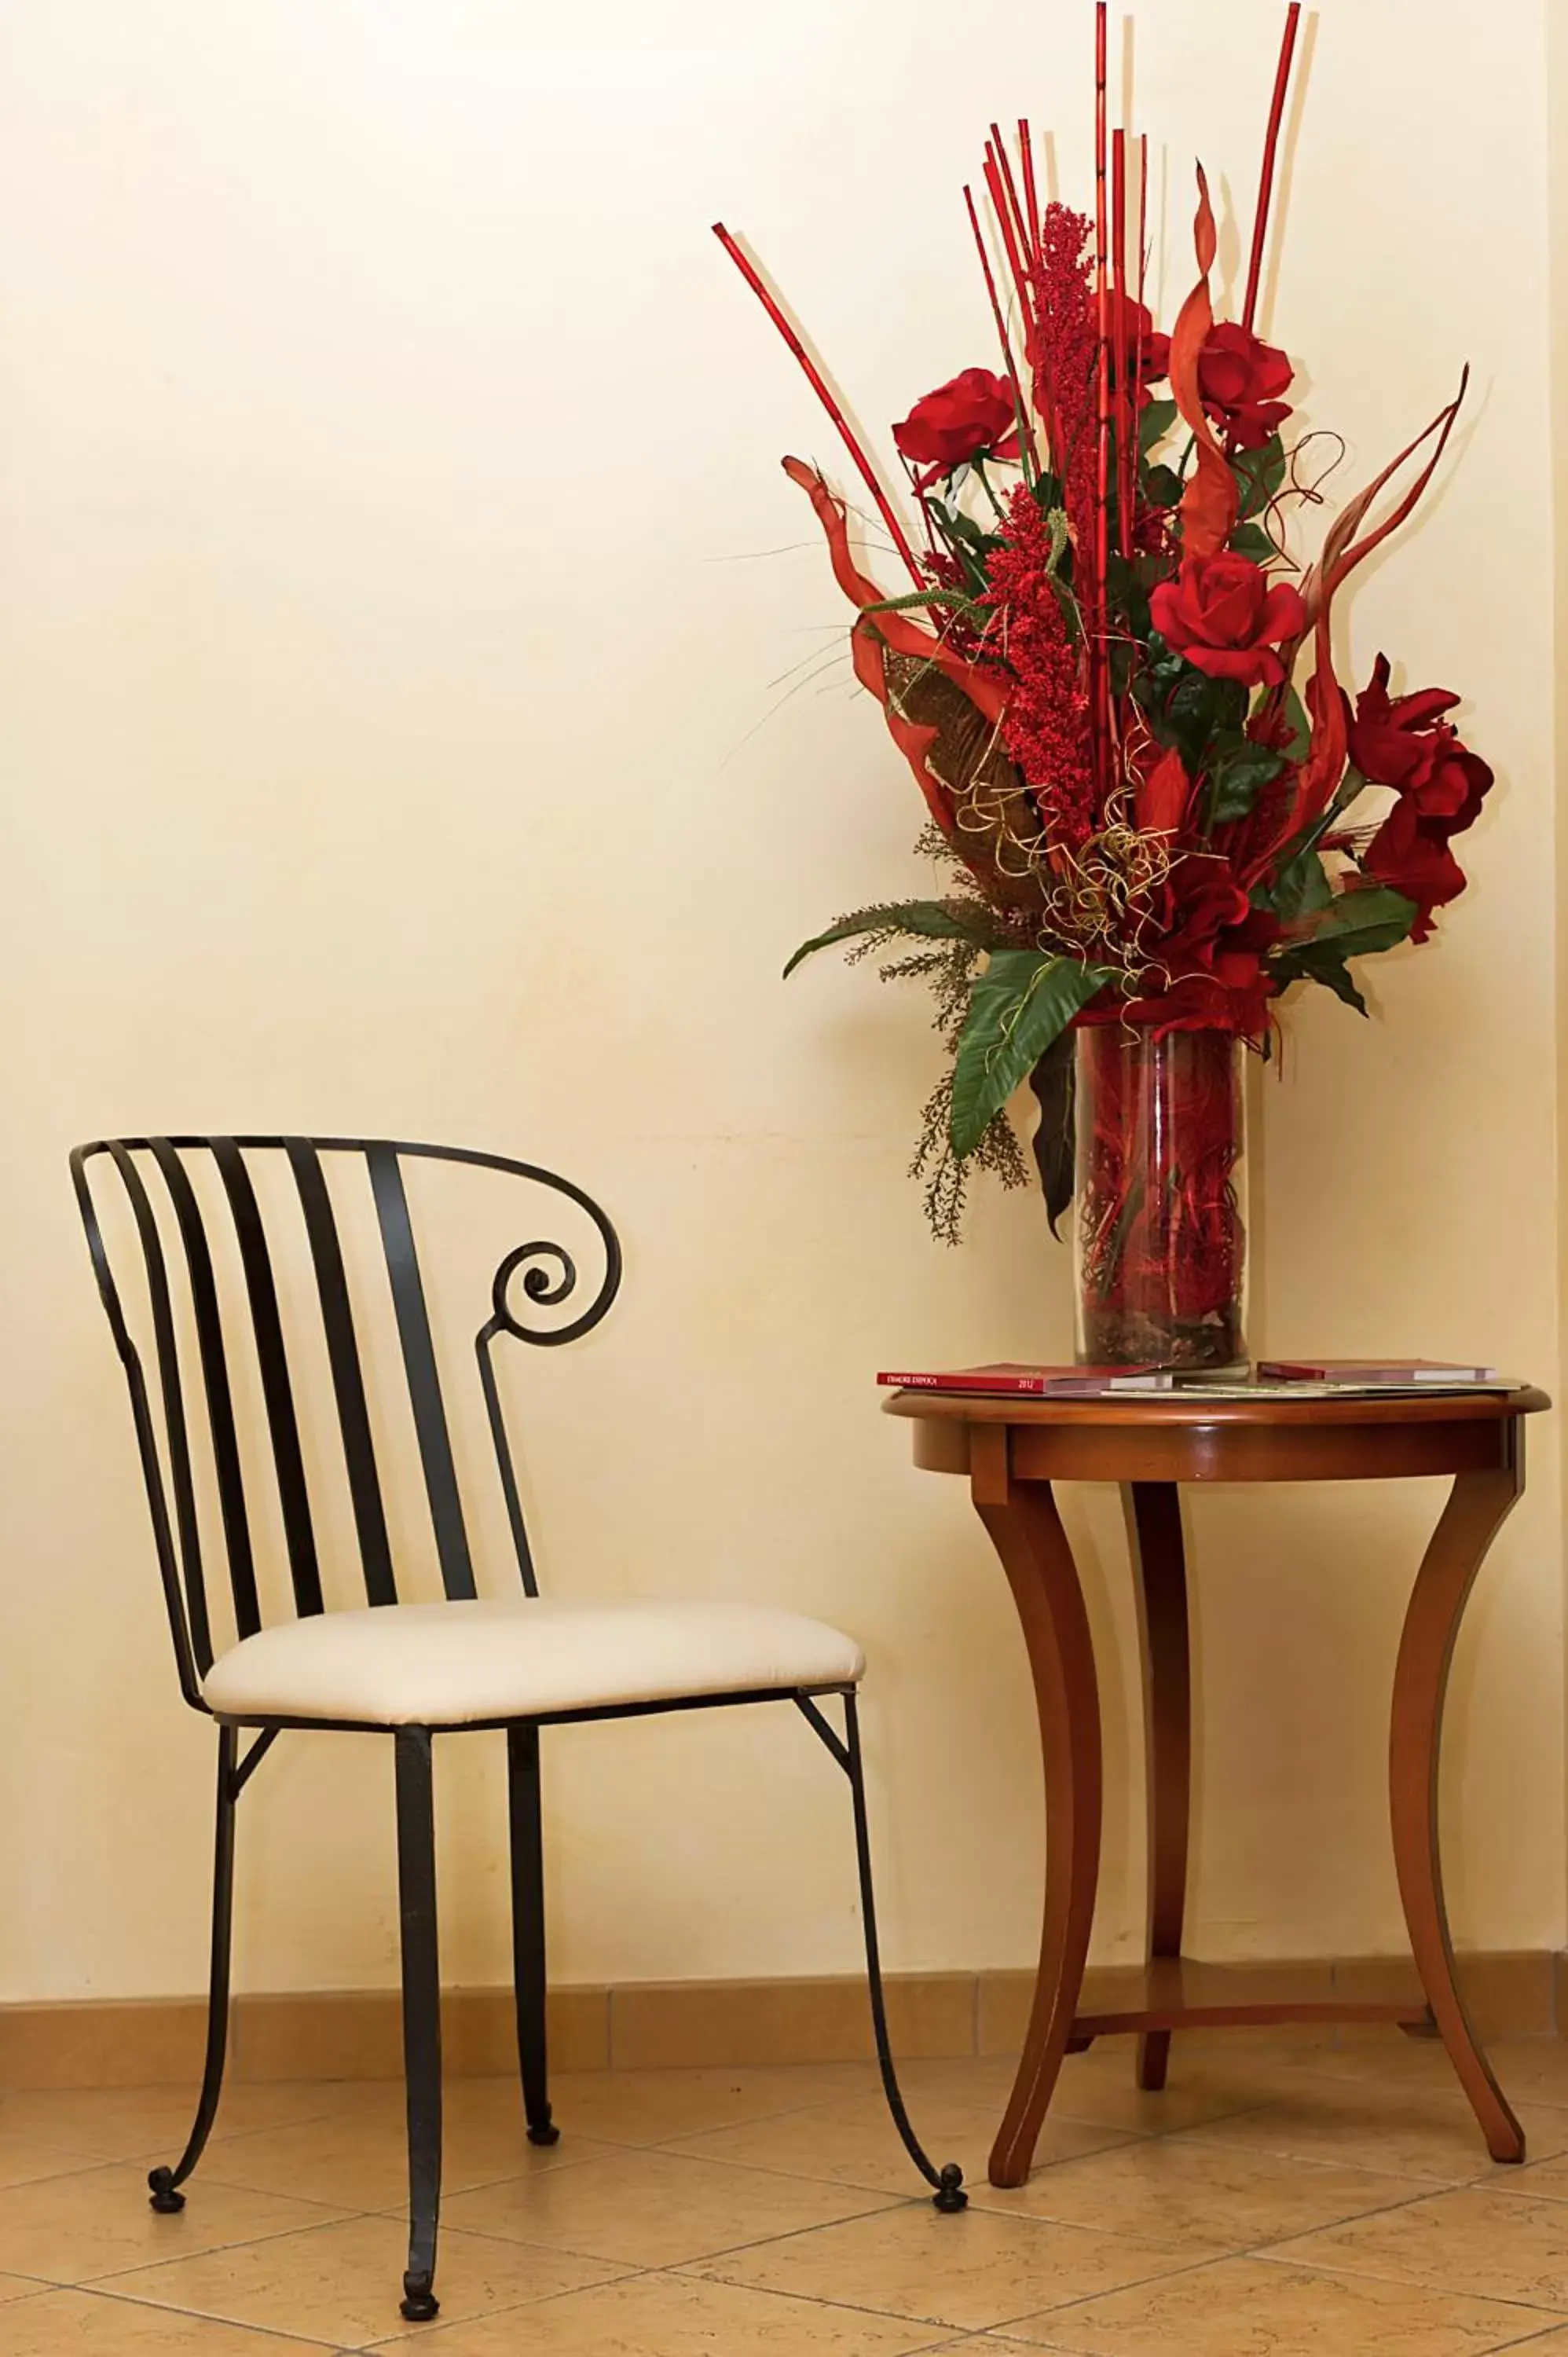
[(391, 741)]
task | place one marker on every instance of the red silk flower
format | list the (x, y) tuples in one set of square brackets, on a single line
[(973, 413), (1148, 353), (1404, 742), (1241, 379), (1222, 613)]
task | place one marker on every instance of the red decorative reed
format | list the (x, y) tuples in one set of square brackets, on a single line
[(1031, 195), (997, 189), (1266, 178), (1100, 668), (824, 394), (1020, 219), (1014, 379), (1126, 407)]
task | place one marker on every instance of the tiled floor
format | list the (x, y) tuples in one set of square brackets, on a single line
[(1279, 2198)]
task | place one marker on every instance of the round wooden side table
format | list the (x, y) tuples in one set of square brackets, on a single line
[(1012, 1450)]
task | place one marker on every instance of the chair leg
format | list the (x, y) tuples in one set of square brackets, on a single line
[(421, 2014), (528, 1981), (949, 2195), (164, 2183)]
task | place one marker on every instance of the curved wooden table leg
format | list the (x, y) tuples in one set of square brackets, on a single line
[(1153, 1523), (1027, 1532), (1477, 1508)]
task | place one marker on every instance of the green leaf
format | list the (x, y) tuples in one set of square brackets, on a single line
[(1357, 923), (941, 920), (1054, 1083), (1258, 474), (1017, 1008), (1155, 423), (1239, 770), (1362, 920), (1300, 726), (1325, 966), (974, 536), (1184, 706), (1162, 486), (1301, 886), (1251, 540)]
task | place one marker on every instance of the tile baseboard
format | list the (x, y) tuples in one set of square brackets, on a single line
[(356, 2033)]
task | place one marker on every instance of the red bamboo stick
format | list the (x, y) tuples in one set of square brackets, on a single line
[(996, 188), (1020, 392), (1099, 675), (1266, 178), (1142, 216), (1020, 219), (1031, 194), (1126, 411), (820, 388)]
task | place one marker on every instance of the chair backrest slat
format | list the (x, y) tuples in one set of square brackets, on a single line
[(202, 1296), (348, 1383), (215, 1378), (198, 1645), (419, 1365), (294, 1496), (484, 1346)]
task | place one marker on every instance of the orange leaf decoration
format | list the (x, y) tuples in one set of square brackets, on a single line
[(1163, 796), (1209, 503), (1318, 777), (943, 713)]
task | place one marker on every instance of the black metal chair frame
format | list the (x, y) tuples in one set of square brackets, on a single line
[(548, 1279)]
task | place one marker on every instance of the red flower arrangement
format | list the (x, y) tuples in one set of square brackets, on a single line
[(1091, 672)]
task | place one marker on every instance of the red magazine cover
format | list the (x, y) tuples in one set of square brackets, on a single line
[(1011, 1378)]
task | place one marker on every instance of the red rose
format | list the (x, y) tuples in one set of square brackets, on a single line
[(973, 414), (1224, 616), (1240, 380)]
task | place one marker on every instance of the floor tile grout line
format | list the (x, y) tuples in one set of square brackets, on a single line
[(857, 2308), (885, 2208), (858, 2185), (1372, 2167), (214, 2250), (293, 2337), (1276, 2256), (1528, 2341), (103, 2287)]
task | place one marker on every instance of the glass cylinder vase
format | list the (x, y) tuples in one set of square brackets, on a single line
[(1160, 1235)]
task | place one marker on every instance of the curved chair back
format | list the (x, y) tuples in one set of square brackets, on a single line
[(209, 1257)]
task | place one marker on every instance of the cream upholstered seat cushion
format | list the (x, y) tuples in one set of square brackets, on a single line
[(449, 1665)]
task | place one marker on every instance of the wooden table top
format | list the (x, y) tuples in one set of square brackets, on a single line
[(1173, 1437), (1282, 1406)]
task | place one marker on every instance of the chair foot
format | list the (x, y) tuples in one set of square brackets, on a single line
[(419, 2302), (543, 2131), (165, 2197), (950, 2196)]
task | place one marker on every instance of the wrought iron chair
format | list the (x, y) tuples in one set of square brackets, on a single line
[(416, 1668)]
